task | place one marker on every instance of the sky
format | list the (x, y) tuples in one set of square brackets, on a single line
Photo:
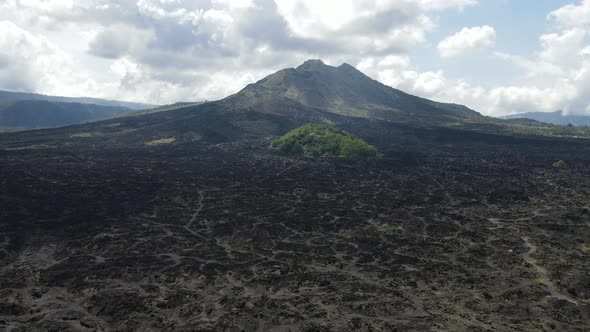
[(497, 57)]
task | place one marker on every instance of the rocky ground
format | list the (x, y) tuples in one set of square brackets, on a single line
[(434, 236)]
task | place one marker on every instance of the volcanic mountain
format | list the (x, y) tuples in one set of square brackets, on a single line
[(346, 91), (313, 92)]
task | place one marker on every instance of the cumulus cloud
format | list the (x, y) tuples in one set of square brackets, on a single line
[(119, 40), (572, 15), (467, 40), (29, 62), (556, 77), (397, 71), (366, 26), (562, 48)]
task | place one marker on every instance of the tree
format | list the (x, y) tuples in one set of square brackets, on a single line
[(321, 140)]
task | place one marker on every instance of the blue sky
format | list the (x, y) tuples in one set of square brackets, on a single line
[(518, 25), (496, 56)]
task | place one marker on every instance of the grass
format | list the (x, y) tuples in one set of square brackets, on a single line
[(161, 141), (31, 147), (84, 135), (399, 229), (387, 228)]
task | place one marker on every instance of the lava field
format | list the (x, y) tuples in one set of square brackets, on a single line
[(440, 235)]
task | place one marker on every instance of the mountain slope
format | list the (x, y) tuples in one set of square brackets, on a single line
[(15, 96), (346, 91), (31, 114), (558, 118)]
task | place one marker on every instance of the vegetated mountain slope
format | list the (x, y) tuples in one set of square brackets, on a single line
[(345, 90), (15, 96), (31, 114), (558, 118)]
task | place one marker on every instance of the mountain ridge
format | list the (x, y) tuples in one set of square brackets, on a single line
[(557, 118), (17, 96), (36, 114)]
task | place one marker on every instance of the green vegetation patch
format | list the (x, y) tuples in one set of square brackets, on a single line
[(321, 140), (85, 135), (387, 228), (161, 141), (560, 164), (31, 147)]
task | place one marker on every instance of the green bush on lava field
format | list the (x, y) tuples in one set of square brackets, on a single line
[(320, 140), (560, 164)]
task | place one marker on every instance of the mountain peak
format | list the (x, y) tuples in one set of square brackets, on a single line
[(312, 64), (346, 66), (317, 64)]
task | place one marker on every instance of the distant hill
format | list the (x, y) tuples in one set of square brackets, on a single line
[(558, 118), (33, 114), (15, 96)]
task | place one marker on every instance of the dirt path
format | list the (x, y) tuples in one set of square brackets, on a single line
[(543, 273), (195, 215)]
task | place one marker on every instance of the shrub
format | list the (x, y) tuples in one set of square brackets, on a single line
[(320, 140), (560, 164), (399, 229)]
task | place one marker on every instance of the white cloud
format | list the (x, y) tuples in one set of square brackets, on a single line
[(519, 99), (119, 40), (358, 26), (557, 77), (31, 62), (444, 4), (397, 71), (467, 40), (542, 72), (562, 48), (572, 15)]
